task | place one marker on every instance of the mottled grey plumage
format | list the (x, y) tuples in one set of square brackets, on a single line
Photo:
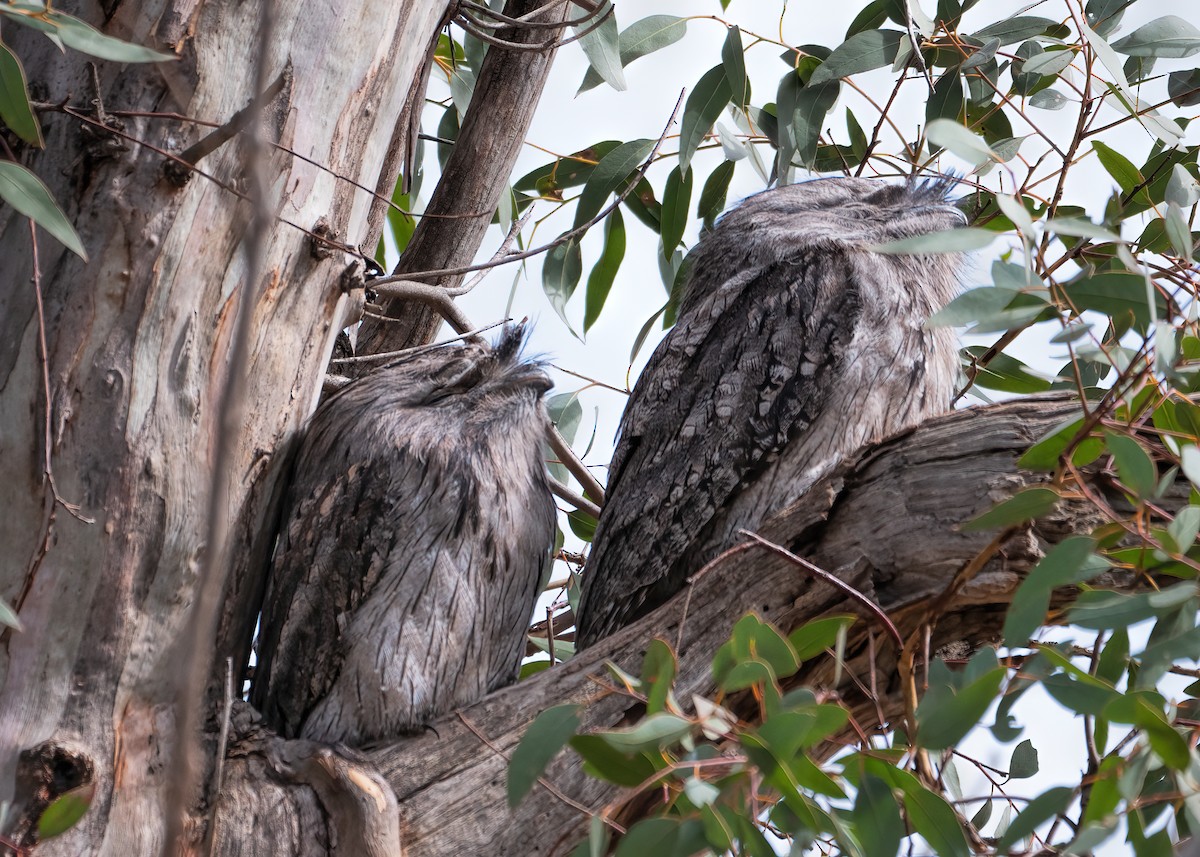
[(794, 346), (416, 535)]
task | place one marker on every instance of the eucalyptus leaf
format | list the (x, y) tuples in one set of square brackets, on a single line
[(25, 192), (639, 39), (1170, 37), (610, 173), (703, 107), (601, 45), (542, 741), (85, 38), (963, 143), (861, 52), (961, 240), (15, 111)]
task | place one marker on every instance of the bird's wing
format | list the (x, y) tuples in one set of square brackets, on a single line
[(337, 528), (749, 367)]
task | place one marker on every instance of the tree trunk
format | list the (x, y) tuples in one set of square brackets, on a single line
[(138, 354)]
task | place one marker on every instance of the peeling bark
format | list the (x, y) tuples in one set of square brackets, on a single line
[(138, 341)]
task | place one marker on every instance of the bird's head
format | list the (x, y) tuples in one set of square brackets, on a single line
[(855, 212)]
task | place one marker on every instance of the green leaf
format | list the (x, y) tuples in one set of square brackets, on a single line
[(560, 275), (1078, 695), (601, 47), (1183, 87), (1049, 99), (65, 812), (1100, 611), (812, 104), (988, 305), (734, 61), (600, 280), (949, 241), (1190, 462), (1170, 37), (1015, 29), (1038, 811), (863, 51), (657, 836), (639, 39), (546, 735), (936, 821), (1024, 761), (714, 192), (1066, 563), (1026, 505), (1118, 166), (1134, 465), (610, 173), (9, 617), (653, 732), (703, 107), (813, 637), (1117, 294), (74, 33), (15, 111), (877, 818), (1078, 227), (946, 714), (677, 199), (952, 136), (603, 761), (946, 100), (1182, 189), (1007, 374), (658, 672), (25, 192)]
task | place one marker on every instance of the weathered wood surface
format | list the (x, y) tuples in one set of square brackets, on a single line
[(886, 523), (138, 355)]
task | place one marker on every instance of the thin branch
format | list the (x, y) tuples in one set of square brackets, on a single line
[(524, 22), (436, 298), (417, 349), (833, 580), (474, 27), (575, 467), (580, 502)]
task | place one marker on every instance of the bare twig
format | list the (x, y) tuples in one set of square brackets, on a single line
[(436, 298), (524, 21), (833, 580), (475, 28), (417, 349), (569, 460), (579, 502), (209, 143)]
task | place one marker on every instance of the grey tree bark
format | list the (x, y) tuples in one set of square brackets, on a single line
[(138, 344)]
